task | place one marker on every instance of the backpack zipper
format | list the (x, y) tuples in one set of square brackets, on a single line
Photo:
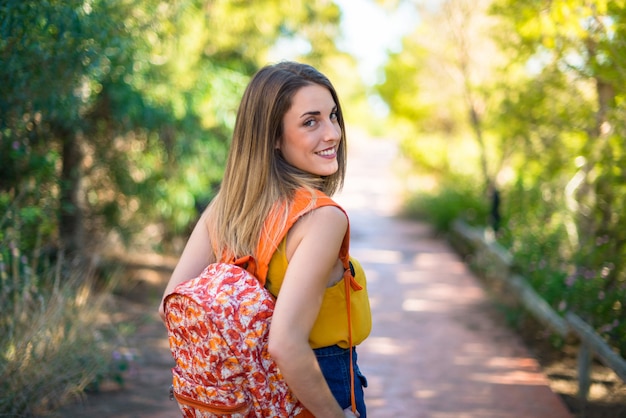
[(186, 400)]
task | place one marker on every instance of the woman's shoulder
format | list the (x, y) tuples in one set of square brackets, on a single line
[(323, 224), (332, 216)]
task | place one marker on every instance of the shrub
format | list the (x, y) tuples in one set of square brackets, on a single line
[(569, 275), (51, 344), (454, 199), (55, 340), (535, 231)]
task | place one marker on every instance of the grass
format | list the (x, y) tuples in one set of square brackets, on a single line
[(54, 344)]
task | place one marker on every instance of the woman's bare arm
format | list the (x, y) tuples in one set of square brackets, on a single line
[(315, 242)]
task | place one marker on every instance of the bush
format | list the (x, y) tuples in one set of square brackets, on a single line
[(534, 231), (541, 254), (55, 340), (450, 201), (52, 346), (571, 275)]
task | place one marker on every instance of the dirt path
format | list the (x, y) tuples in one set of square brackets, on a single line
[(434, 351)]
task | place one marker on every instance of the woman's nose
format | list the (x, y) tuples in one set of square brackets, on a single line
[(333, 131)]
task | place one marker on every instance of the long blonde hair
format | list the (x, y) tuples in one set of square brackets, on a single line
[(257, 177)]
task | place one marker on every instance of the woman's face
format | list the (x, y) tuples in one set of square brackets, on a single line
[(311, 131)]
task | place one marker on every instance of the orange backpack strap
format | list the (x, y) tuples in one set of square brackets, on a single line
[(302, 203)]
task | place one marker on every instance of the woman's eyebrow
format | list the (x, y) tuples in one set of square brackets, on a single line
[(315, 112), (311, 113)]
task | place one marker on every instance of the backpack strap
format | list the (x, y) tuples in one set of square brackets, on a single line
[(351, 348), (303, 203)]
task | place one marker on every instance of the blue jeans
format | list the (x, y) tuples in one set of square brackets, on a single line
[(335, 364)]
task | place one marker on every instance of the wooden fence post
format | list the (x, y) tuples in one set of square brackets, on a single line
[(584, 370), (597, 345)]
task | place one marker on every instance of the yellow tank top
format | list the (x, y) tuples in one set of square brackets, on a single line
[(331, 325)]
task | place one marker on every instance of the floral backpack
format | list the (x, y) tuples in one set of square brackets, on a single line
[(218, 326)]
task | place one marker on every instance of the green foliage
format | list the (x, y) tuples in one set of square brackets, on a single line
[(116, 115), (55, 339), (452, 200), (567, 235), (562, 273), (551, 115), (403, 83), (115, 119)]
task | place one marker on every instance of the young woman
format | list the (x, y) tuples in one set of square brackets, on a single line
[(289, 135)]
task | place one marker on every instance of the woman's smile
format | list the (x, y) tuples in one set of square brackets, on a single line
[(328, 153)]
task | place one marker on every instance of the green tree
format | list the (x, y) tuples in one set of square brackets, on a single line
[(543, 85), (569, 112), (122, 115), (441, 90), (115, 119)]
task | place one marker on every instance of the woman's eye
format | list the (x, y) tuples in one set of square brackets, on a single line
[(309, 122), (334, 116)]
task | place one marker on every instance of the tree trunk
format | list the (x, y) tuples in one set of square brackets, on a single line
[(71, 228)]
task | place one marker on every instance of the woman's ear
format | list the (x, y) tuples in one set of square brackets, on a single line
[(277, 144)]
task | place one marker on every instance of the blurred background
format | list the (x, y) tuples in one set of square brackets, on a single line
[(116, 115)]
